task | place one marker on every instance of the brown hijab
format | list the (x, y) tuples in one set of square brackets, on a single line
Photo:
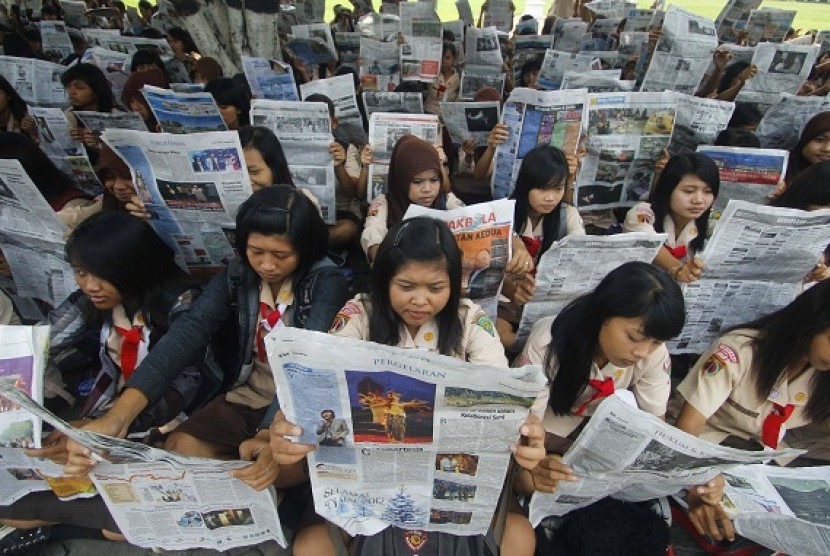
[(410, 156)]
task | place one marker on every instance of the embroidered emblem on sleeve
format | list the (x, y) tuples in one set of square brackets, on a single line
[(483, 321), (726, 354), (344, 315), (717, 361)]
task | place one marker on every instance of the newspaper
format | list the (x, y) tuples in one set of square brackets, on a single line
[(481, 47), (428, 436), (180, 113), (99, 121), (128, 45), (470, 120), (599, 35), (465, 12), (568, 34), (698, 122), (420, 59), (575, 265), (783, 509), (379, 101), (630, 46), (638, 19), (682, 54), (755, 260), (536, 118), (483, 232), (21, 475), (99, 37), (379, 65), (270, 79), (340, 90), (348, 48), (823, 40), (627, 133), (384, 131), (747, 174), (36, 81), (597, 81), (526, 48), (499, 15), (73, 13), (782, 68), (733, 17), (419, 20), (22, 362), (632, 455), (114, 65), (192, 185), (768, 25), (782, 124), (303, 44), (55, 41), (556, 63), (304, 131), (474, 78), (610, 8)]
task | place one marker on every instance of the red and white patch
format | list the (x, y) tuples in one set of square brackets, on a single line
[(726, 354), (350, 308), (415, 540)]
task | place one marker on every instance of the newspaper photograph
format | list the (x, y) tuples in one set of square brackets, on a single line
[(499, 15), (597, 81), (556, 63), (423, 439), (37, 81), (340, 90), (627, 133), (747, 174), (768, 25), (192, 185), (181, 113), (473, 78), (481, 47), (269, 79), (22, 364), (99, 121), (698, 121), (55, 41), (755, 260), (304, 131), (483, 232), (782, 68), (635, 456), (380, 101), (384, 131), (782, 123), (575, 265), (536, 118), (781, 508), (420, 59), (470, 120), (733, 17), (379, 65)]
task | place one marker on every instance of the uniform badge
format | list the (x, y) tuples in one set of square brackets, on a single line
[(713, 366), (415, 540), (483, 321)]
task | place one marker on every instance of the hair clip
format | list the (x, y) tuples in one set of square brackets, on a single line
[(403, 227)]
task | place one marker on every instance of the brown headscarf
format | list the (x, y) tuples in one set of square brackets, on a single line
[(486, 93), (109, 165), (137, 79), (208, 67), (818, 124), (410, 156)]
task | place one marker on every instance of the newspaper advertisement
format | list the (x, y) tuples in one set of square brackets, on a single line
[(499, 15), (568, 34), (698, 122), (114, 65), (747, 174), (781, 125), (473, 78), (192, 185), (419, 20), (384, 131), (683, 52), (269, 79), (755, 260), (781, 508), (483, 233), (379, 65), (99, 121), (481, 47), (340, 90), (380, 101), (304, 131), (470, 120), (407, 438), (22, 363), (768, 25), (597, 81), (55, 40), (181, 113), (556, 63), (575, 265), (627, 133), (537, 118), (36, 81), (782, 68), (635, 456), (420, 59), (733, 17)]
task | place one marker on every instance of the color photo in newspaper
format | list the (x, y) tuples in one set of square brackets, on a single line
[(22, 362)]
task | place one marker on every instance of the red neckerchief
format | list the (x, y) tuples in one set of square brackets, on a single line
[(270, 318), (129, 348), (771, 431), (604, 388)]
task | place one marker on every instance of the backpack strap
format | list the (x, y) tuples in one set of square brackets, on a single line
[(235, 271), (562, 228)]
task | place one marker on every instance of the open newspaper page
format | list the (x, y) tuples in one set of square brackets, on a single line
[(632, 455), (36, 81), (556, 63), (698, 122), (755, 263), (381, 101), (473, 78), (630, 46), (181, 113), (114, 64), (340, 90), (55, 41), (191, 184), (420, 59), (270, 79), (499, 14), (575, 265), (597, 81), (627, 133), (384, 131), (417, 440), (317, 31), (22, 363), (785, 509), (732, 18), (599, 35), (99, 121), (483, 232), (465, 12), (782, 68), (32, 238), (768, 25), (128, 45), (304, 131), (782, 123), (419, 20), (526, 48), (348, 49), (747, 174), (638, 19), (537, 118), (99, 37), (21, 475), (379, 65), (481, 47), (568, 34), (470, 120), (610, 8), (73, 13)]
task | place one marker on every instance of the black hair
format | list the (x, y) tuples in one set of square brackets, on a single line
[(810, 187), (15, 44), (146, 5), (730, 74), (226, 92), (737, 137), (97, 81), (745, 114), (32, 34), (543, 167), (243, 85), (17, 106), (126, 252), (783, 339), (632, 290), (283, 211), (151, 33), (181, 35), (420, 239), (534, 64), (149, 57), (678, 166), (263, 140), (319, 97), (449, 47)]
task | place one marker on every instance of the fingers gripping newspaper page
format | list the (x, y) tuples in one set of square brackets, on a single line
[(470, 120), (304, 131), (632, 455), (22, 364), (785, 509), (782, 68), (483, 232), (191, 184), (756, 261), (575, 265), (422, 440), (21, 475)]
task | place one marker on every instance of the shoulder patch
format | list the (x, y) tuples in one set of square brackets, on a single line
[(483, 321), (713, 366), (343, 316), (727, 353)]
